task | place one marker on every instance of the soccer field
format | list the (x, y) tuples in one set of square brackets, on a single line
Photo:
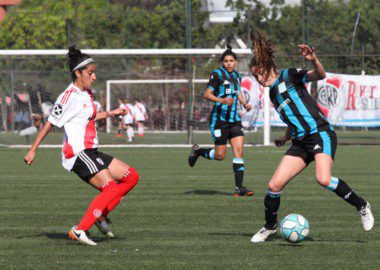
[(185, 218)]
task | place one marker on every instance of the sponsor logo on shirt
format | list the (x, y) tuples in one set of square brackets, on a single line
[(283, 105)]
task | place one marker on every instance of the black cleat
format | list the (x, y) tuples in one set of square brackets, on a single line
[(242, 191), (193, 155)]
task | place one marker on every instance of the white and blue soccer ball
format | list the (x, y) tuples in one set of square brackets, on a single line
[(294, 228)]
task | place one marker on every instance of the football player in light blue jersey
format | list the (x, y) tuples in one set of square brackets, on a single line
[(225, 124), (313, 138)]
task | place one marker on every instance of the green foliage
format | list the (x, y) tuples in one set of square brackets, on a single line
[(327, 25)]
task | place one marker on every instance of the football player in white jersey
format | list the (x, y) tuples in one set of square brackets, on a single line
[(129, 118), (140, 116), (121, 122), (75, 111)]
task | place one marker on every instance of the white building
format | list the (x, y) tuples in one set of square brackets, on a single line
[(222, 14)]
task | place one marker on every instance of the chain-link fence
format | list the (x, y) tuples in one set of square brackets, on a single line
[(29, 86)]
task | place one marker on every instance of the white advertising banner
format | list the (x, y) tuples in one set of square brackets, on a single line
[(253, 93), (350, 100), (346, 100)]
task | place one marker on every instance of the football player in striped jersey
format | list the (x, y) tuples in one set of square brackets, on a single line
[(312, 137), (225, 124)]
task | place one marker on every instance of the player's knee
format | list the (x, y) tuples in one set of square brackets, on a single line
[(219, 156), (107, 185), (274, 187), (131, 176), (323, 180)]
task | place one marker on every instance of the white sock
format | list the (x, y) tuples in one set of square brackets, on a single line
[(141, 130)]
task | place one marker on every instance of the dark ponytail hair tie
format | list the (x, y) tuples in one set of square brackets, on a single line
[(227, 52)]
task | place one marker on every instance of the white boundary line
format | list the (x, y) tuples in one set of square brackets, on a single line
[(124, 145)]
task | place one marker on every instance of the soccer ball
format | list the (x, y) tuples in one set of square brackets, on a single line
[(294, 228)]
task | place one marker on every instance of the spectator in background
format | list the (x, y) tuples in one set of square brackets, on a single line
[(121, 122), (158, 118), (97, 104), (196, 116), (129, 118), (140, 116), (99, 108)]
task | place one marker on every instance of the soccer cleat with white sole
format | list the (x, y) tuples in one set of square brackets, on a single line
[(104, 228), (81, 236), (262, 235), (367, 218)]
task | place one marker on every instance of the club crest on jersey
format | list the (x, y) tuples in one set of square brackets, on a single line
[(100, 161), (282, 87), (57, 110)]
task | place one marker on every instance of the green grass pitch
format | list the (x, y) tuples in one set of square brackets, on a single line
[(185, 218)]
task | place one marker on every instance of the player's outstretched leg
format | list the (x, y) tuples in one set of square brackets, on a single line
[(103, 226), (109, 191), (272, 204), (238, 168), (197, 151), (125, 184), (346, 193)]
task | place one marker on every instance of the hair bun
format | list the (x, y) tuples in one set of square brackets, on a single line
[(74, 53), (229, 48)]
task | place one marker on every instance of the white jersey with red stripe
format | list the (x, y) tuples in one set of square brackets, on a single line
[(121, 106), (140, 111), (130, 115), (75, 110)]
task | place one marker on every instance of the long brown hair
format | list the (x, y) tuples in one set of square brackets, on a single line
[(263, 53)]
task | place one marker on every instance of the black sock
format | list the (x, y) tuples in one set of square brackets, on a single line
[(206, 152), (347, 194), (238, 167), (272, 204)]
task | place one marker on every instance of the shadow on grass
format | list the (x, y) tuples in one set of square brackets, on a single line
[(207, 192), (277, 237), (64, 236), (336, 241), (232, 234)]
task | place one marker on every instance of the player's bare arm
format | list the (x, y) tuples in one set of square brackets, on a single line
[(29, 157), (246, 106), (116, 112), (318, 72), (211, 97), (282, 140)]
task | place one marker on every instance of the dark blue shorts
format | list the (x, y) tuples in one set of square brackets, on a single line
[(224, 131), (306, 148)]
